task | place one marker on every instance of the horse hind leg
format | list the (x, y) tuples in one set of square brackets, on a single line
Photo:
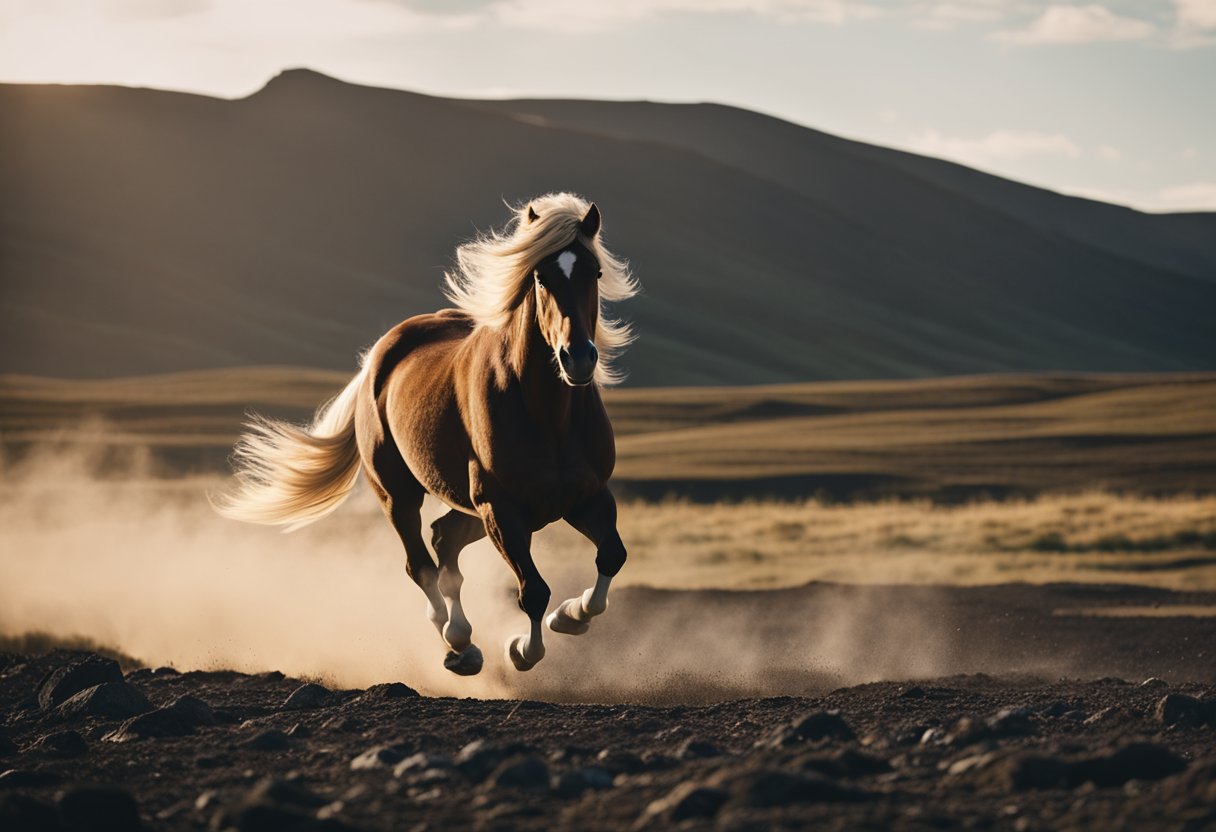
[(450, 534), (401, 498)]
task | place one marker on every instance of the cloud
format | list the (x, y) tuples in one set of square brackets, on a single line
[(1196, 196), (1108, 154), (1193, 196), (1195, 24), (997, 146), (1198, 14), (951, 15), (565, 15), (1077, 24)]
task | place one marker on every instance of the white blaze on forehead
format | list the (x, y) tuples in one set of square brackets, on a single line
[(565, 261)]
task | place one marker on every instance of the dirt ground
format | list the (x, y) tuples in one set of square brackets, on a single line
[(1096, 709)]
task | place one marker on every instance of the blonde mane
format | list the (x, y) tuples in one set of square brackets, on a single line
[(494, 272)]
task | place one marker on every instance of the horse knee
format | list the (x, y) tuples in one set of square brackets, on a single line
[(450, 581), (610, 557), (534, 598)]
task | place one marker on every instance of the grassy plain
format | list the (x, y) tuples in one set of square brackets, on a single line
[(963, 480)]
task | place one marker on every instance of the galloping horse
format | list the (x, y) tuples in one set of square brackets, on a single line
[(492, 407)]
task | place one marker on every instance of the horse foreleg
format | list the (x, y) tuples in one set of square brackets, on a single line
[(596, 519), (514, 541), (450, 534)]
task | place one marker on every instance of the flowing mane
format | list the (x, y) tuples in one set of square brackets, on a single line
[(494, 272)]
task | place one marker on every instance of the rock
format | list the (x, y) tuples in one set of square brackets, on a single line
[(392, 690), (1179, 709), (913, 692), (7, 746), (763, 789), (166, 671), (306, 697), (477, 759), (620, 762), (971, 763), (61, 744), (272, 740), (284, 792), (18, 778), (1009, 722), (1054, 709), (99, 809), (658, 761), (22, 812), (686, 801), (1104, 715), (343, 723), (63, 682), (1153, 683), (177, 719), (422, 761), (819, 725), (846, 762), (694, 749), (382, 756), (528, 773), (109, 700), (1031, 771), (1137, 761), (574, 782)]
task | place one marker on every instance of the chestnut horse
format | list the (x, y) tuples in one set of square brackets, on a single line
[(493, 407)]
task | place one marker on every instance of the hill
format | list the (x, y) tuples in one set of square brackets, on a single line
[(144, 231)]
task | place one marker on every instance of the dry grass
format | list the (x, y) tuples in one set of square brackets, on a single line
[(1088, 537), (950, 439)]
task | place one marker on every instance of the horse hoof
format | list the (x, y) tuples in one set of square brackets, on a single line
[(559, 622), (515, 654), (465, 663)]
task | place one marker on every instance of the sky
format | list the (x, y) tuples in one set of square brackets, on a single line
[(1114, 99)]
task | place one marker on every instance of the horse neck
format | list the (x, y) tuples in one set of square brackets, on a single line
[(547, 397)]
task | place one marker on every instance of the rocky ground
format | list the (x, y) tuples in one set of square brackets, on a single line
[(87, 746)]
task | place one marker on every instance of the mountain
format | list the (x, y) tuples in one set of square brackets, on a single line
[(145, 231)]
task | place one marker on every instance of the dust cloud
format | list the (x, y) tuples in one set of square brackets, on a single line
[(141, 564)]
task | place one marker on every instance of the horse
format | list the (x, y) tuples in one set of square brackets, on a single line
[(492, 406)]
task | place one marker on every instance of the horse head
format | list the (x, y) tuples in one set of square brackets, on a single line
[(568, 301)]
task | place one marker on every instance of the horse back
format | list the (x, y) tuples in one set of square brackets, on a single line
[(409, 418)]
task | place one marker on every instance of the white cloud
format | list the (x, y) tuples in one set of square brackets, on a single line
[(1108, 154), (951, 15), (997, 146), (1199, 14), (1196, 196), (588, 16), (1078, 24), (1196, 24)]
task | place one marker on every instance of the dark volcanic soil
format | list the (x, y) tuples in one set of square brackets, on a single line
[(86, 746), (966, 752)]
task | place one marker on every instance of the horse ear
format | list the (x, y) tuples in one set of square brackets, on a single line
[(532, 215), (590, 224)]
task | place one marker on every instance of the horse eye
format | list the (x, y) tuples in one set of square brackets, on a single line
[(598, 275)]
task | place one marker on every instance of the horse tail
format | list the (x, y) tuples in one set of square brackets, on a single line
[(290, 475)]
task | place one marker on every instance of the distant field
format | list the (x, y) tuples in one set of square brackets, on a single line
[(1096, 479), (945, 439)]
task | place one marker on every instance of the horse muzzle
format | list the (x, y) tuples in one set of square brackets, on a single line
[(578, 363)]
